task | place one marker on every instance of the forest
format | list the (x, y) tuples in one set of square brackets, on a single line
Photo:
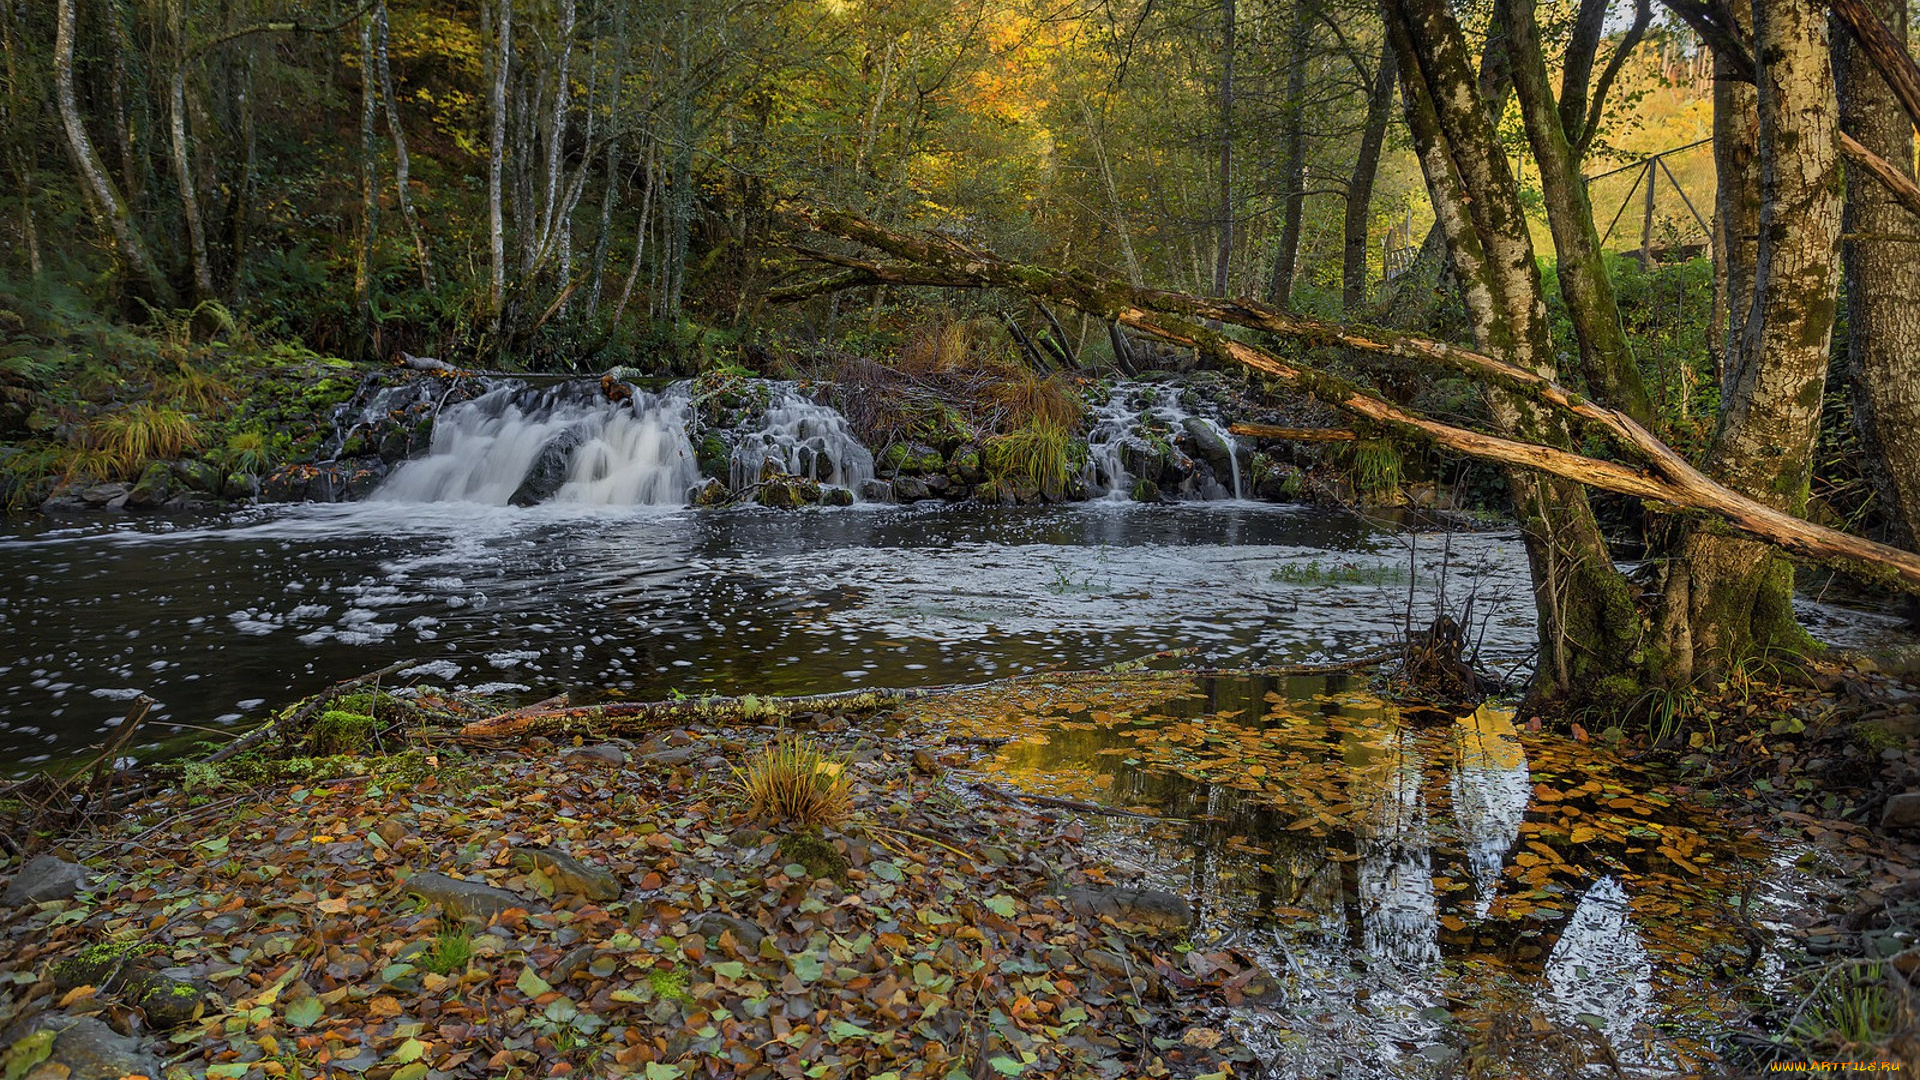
[(999, 537)]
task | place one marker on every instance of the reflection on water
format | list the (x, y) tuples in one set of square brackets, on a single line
[(221, 620), (1405, 879)]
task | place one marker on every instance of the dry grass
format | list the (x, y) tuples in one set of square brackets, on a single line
[(141, 433), (794, 782)]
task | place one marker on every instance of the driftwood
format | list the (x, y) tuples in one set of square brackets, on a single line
[(304, 713), (1662, 475), (1292, 434)]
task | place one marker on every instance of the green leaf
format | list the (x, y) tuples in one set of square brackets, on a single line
[(531, 984), (408, 1051), (660, 1071), (305, 1012), (843, 1029), (885, 870), (232, 1070), (1006, 1066), (28, 1052), (808, 966), (732, 969), (216, 846), (415, 1071), (1004, 906)]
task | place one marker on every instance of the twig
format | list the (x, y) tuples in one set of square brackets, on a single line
[(1069, 804)]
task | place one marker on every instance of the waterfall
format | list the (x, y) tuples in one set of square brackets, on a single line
[(1140, 427), (801, 437), (563, 444)]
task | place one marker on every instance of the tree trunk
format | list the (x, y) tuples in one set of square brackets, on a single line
[(1883, 286), (182, 157), (680, 201), (1223, 258), (1366, 168), (1729, 600), (103, 199), (550, 214), (369, 198), (1293, 167), (1606, 361), (402, 180), (1589, 630), (496, 155), (1736, 216)]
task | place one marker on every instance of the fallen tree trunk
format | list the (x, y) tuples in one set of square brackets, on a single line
[(1292, 434), (1663, 477)]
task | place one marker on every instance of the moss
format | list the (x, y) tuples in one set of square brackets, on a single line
[(669, 984), (339, 731), (103, 964), (811, 850)]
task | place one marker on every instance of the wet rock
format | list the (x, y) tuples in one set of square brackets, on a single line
[(549, 470), (392, 832), (673, 756), (1208, 445), (571, 964), (832, 725), (1145, 490), (787, 493), (568, 874), (835, 496), (44, 878), (466, 899), (75, 1048), (1901, 811), (240, 485), (153, 489), (912, 459), (908, 489), (1142, 907), (924, 761), (937, 483), (167, 999), (712, 456), (712, 493), (111, 496), (965, 465), (197, 476), (876, 491), (746, 935), (603, 753)]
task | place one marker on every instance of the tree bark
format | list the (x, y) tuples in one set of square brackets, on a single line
[(1223, 257), (1293, 168), (1606, 360), (182, 155), (103, 199), (402, 174), (1883, 284), (1729, 601), (496, 155), (369, 197), (1736, 217), (1590, 631), (1366, 169)]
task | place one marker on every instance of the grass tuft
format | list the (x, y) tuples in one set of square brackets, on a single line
[(794, 782)]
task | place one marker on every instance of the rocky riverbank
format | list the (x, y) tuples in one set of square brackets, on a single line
[(603, 909)]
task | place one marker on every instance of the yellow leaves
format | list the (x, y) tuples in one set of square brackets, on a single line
[(1453, 923)]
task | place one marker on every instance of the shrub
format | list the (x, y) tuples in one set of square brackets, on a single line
[(794, 782)]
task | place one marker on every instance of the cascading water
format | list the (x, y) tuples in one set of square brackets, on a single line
[(1140, 427), (801, 437), (563, 444)]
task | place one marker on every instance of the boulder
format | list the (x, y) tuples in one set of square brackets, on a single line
[(1901, 811), (876, 491), (712, 493), (240, 485), (602, 753), (568, 874), (1145, 490), (835, 496), (787, 493), (153, 489), (1141, 907), (44, 878), (911, 459), (77, 1048), (467, 899), (908, 489), (1208, 445), (549, 470), (713, 457), (112, 496), (965, 465), (745, 934)]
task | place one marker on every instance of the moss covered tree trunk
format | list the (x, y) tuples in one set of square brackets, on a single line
[(1883, 285), (1728, 600), (1590, 632)]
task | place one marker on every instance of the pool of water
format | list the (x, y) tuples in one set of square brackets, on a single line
[(1424, 886), (219, 620)]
